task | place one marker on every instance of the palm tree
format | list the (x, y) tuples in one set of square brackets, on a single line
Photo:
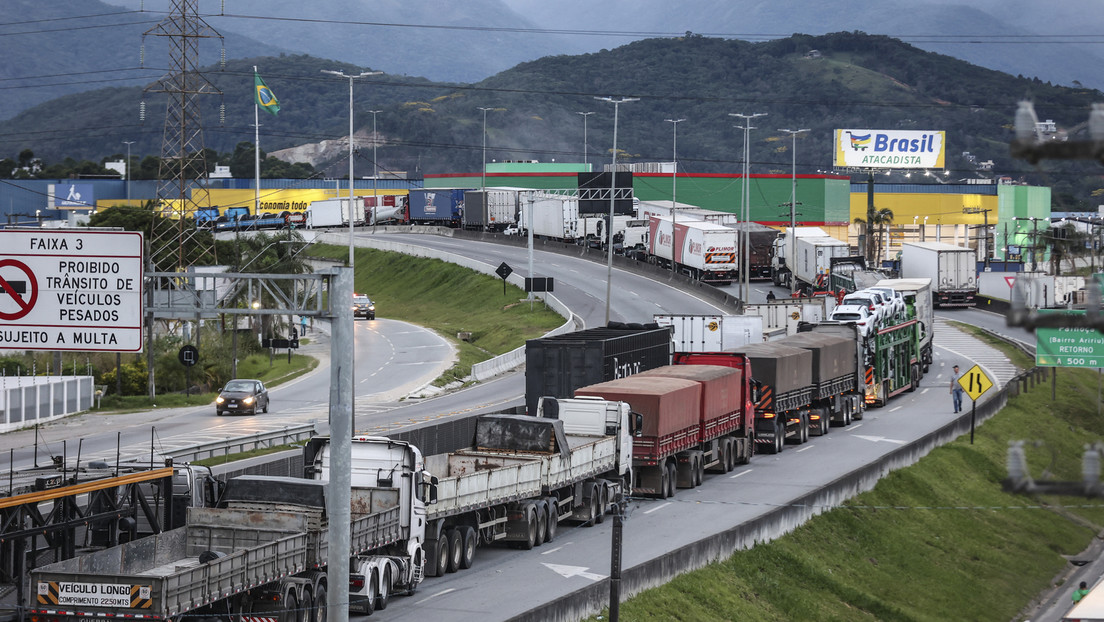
[(1066, 243), (880, 218)]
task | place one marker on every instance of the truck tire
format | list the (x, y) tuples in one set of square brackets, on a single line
[(594, 501), (373, 592), (779, 437), (384, 589), (321, 606), (672, 479), (603, 504), (531, 520), (471, 541), (553, 518), (437, 557), (455, 550), (541, 511)]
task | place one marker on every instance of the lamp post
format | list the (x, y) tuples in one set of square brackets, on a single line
[(342, 74), (585, 115), (745, 201), (793, 199), (375, 169), (613, 191), (126, 171), (483, 179), (674, 176)]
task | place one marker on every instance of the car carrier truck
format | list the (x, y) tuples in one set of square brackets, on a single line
[(262, 552)]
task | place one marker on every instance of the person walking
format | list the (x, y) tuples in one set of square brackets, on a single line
[(956, 389), (1081, 591), (770, 296)]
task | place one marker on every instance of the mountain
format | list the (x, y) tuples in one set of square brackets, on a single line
[(69, 46), (852, 81)]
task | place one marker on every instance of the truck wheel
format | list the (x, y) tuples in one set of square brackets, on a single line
[(542, 521), (603, 505), (384, 590), (594, 500), (320, 605), (373, 592), (467, 558), (779, 437), (531, 521), (438, 556), (291, 606), (672, 479), (699, 472), (553, 518), (455, 549)]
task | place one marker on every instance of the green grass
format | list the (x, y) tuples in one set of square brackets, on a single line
[(936, 541), (447, 299), (253, 366)]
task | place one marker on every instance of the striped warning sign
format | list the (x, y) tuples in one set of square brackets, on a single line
[(121, 596)]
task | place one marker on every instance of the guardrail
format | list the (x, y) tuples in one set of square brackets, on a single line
[(241, 444)]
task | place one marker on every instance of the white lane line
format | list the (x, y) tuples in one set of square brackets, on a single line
[(804, 449), (658, 507), (856, 426), (894, 408), (740, 474), (924, 390), (432, 596), (552, 550)]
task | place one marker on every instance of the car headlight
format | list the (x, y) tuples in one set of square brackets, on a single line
[(247, 401), (371, 307), (220, 399)]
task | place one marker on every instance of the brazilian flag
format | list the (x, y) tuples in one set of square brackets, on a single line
[(266, 99)]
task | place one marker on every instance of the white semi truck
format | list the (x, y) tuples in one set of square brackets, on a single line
[(263, 552), (952, 270), (702, 250)]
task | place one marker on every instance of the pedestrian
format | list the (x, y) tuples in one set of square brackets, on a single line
[(770, 296), (303, 324), (956, 389), (1081, 591)]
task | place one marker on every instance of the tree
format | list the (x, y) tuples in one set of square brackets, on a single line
[(1066, 243), (880, 218)]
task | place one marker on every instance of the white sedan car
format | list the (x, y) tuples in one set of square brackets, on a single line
[(858, 315)]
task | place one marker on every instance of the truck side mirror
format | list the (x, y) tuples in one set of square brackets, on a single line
[(637, 424), (430, 481)]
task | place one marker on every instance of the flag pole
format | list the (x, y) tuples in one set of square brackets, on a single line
[(256, 152)]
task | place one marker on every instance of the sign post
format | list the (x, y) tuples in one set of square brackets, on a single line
[(975, 382), (504, 270), (75, 290)]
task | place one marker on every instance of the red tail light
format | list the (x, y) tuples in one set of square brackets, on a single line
[(356, 582)]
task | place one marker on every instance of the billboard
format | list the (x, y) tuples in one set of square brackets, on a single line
[(70, 196), (889, 149)]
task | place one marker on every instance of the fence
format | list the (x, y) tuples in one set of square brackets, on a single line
[(27, 400)]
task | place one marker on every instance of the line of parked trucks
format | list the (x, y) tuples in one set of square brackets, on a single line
[(611, 413)]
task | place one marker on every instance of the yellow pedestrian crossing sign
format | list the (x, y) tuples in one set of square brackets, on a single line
[(975, 382)]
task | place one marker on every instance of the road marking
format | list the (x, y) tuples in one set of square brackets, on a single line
[(856, 426), (803, 449), (894, 408), (924, 390), (880, 438), (555, 549), (658, 507), (574, 571), (432, 596), (740, 474)]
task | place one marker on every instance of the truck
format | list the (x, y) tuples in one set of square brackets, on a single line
[(702, 250), (694, 418), (443, 207), (263, 552), (849, 274), (710, 333), (918, 296), (327, 213), (647, 209), (782, 316), (783, 246), (837, 377), (520, 478), (492, 209), (952, 270), (760, 248), (555, 366), (550, 216), (814, 257), (390, 208)]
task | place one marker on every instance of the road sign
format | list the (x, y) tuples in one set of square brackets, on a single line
[(504, 270), (188, 355), (1068, 347), (975, 382), (71, 290)]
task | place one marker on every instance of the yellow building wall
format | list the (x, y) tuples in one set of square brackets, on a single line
[(940, 209), (278, 200)]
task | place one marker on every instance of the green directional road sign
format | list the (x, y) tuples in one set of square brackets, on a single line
[(1068, 347)]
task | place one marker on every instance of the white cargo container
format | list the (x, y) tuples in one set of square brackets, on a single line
[(552, 216), (705, 251), (712, 333), (492, 209), (647, 209), (781, 317), (782, 247), (952, 270), (814, 258), (327, 213)]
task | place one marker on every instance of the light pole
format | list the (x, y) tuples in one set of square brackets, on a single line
[(375, 169), (674, 176), (342, 74), (613, 191), (483, 182), (128, 143), (793, 200), (745, 201), (585, 115)]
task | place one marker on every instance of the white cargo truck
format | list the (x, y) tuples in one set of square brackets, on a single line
[(712, 333), (783, 247), (702, 250), (327, 213), (814, 259), (952, 270), (553, 217)]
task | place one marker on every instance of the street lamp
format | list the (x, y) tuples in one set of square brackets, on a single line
[(342, 74), (375, 169), (585, 115), (126, 171), (745, 201), (674, 175), (793, 200), (613, 191), (483, 183)]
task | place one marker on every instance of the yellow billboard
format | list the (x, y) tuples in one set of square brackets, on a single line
[(890, 149)]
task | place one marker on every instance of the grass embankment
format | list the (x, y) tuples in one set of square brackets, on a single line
[(253, 366), (448, 299), (936, 541)]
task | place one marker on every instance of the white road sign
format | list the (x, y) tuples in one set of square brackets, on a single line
[(71, 290)]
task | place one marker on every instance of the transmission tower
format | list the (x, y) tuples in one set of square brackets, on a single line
[(183, 162)]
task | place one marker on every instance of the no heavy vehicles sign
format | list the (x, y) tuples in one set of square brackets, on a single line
[(71, 290)]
